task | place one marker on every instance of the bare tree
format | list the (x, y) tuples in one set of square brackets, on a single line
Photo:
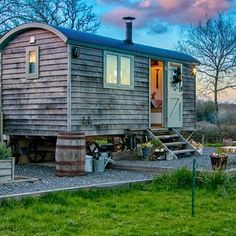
[(73, 14), (80, 16), (213, 43), (9, 14)]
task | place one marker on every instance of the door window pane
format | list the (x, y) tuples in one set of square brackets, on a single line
[(111, 69), (125, 70)]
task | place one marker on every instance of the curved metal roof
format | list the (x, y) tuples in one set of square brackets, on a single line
[(93, 40)]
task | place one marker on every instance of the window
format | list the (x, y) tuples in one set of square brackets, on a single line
[(32, 62), (118, 70)]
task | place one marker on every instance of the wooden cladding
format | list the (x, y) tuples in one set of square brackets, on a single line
[(110, 110), (38, 106)]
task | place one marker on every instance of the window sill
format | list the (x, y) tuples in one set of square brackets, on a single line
[(121, 87)]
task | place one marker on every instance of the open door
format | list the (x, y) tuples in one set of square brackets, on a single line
[(174, 96), (156, 94)]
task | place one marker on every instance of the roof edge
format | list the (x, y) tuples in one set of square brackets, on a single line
[(155, 57), (24, 27)]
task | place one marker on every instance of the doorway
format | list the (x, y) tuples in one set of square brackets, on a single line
[(156, 94)]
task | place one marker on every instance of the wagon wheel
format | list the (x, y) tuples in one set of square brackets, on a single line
[(118, 144), (92, 148), (15, 149), (34, 154)]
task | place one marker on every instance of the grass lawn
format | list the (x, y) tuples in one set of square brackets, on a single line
[(138, 210)]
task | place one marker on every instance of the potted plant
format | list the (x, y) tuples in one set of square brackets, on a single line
[(219, 160), (6, 163), (147, 149)]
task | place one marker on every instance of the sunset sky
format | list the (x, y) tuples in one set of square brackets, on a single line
[(158, 23)]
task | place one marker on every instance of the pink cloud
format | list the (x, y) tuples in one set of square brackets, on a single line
[(149, 12), (115, 16)]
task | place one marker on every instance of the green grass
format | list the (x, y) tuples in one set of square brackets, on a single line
[(138, 210), (213, 144)]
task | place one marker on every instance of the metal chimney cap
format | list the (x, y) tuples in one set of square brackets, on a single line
[(128, 18)]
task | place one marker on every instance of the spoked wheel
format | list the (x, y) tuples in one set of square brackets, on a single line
[(92, 148), (15, 149), (118, 144), (34, 154)]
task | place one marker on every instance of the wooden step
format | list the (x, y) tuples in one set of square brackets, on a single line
[(167, 136), (161, 132), (175, 144), (183, 151)]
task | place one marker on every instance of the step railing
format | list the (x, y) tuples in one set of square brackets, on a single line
[(197, 153), (170, 153)]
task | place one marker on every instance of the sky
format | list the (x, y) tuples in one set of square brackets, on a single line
[(158, 23)]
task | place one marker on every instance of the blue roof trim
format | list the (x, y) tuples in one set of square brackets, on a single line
[(93, 39)]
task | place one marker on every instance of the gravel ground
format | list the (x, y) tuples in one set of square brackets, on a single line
[(49, 181), (202, 162)]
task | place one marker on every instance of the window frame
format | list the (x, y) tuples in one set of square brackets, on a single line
[(36, 74), (118, 85)]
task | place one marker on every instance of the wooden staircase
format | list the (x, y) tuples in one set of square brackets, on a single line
[(175, 145)]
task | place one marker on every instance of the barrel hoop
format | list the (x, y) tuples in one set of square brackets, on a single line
[(69, 163), (72, 146), (61, 137), (69, 172)]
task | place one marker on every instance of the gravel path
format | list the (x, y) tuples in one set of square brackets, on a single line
[(202, 162), (48, 180)]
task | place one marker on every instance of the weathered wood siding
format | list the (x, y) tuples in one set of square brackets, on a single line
[(35, 106), (110, 111), (189, 99)]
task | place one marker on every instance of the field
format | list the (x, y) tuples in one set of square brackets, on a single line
[(144, 209)]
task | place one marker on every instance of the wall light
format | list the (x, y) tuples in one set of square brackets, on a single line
[(194, 71), (32, 39)]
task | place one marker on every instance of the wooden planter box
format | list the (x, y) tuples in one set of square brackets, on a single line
[(7, 169), (219, 162)]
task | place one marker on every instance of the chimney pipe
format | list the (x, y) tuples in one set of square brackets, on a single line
[(128, 31)]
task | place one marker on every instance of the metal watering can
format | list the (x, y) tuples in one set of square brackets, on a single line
[(102, 159)]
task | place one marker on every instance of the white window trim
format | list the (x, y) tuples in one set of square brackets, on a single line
[(118, 85), (36, 74)]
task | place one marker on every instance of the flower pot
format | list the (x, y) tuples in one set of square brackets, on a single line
[(219, 162), (147, 152)]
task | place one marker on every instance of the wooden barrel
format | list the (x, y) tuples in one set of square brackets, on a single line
[(70, 154)]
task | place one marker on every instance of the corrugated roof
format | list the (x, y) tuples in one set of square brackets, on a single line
[(106, 42)]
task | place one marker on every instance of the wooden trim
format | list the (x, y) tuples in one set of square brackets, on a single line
[(118, 85), (1, 113), (195, 101), (0, 65), (25, 27), (1, 80), (149, 94), (36, 74), (165, 94), (69, 89)]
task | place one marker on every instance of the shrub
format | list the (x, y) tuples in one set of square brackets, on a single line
[(214, 134), (4, 151), (212, 180), (182, 178)]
